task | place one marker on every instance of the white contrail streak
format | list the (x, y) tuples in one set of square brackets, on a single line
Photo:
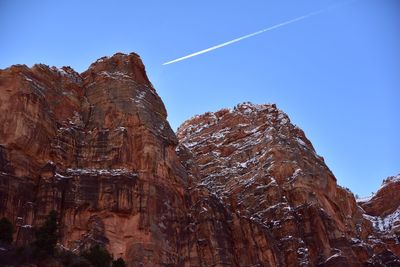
[(249, 35)]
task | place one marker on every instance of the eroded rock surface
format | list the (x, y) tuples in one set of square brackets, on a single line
[(383, 211), (282, 201), (241, 187), (386, 200), (97, 148)]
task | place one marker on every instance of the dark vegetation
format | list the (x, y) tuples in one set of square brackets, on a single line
[(6, 231), (46, 236), (43, 251)]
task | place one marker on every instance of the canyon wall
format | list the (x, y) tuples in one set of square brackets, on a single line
[(236, 187)]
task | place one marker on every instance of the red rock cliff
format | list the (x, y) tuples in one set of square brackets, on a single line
[(97, 148), (243, 188), (282, 202), (383, 210)]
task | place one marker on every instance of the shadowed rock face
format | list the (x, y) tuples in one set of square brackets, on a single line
[(243, 187)]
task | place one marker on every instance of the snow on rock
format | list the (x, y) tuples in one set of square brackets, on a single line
[(60, 176), (382, 208), (246, 188), (117, 75), (390, 179), (364, 199), (387, 223), (253, 159), (336, 255), (106, 172)]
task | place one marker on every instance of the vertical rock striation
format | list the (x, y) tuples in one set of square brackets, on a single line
[(283, 204), (97, 148), (241, 187)]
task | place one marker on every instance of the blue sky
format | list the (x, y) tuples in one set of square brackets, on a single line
[(335, 74)]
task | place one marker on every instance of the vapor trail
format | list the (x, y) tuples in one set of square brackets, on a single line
[(251, 35)]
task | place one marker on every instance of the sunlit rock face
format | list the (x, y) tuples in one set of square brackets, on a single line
[(97, 148), (383, 210), (386, 200), (281, 202), (240, 187)]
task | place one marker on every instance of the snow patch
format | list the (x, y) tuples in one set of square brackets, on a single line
[(60, 177), (386, 223), (115, 75), (141, 95), (112, 172), (101, 59), (121, 128), (336, 255), (301, 142), (391, 179), (364, 199)]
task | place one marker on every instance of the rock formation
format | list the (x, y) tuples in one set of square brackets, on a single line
[(97, 148), (241, 187), (386, 200), (264, 171), (383, 210)]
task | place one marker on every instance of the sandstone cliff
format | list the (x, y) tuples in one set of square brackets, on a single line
[(97, 148), (386, 200), (284, 206), (383, 210), (241, 187)]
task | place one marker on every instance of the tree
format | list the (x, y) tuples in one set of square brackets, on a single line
[(119, 263), (6, 231), (46, 235), (98, 256)]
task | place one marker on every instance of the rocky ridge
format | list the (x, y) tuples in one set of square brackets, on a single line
[(383, 209), (263, 169), (241, 187)]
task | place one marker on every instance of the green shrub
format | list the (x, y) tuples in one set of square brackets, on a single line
[(6, 231), (119, 263), (46, 235), (98, 256), (80, 262)]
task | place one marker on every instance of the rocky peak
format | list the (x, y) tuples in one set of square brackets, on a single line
[(262, 168), (243, 135), (386, 200), (383, 207), (119, 66), (243, 187), (97, 148), (119, 83)]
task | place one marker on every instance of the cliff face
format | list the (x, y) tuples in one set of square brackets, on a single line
[(382, 209), (386, 200), (97, 148), (284, 206), (241, 187)]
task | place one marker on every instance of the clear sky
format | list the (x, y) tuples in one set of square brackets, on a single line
[(336, 74)]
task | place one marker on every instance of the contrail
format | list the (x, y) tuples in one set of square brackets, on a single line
[(252, 34)]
